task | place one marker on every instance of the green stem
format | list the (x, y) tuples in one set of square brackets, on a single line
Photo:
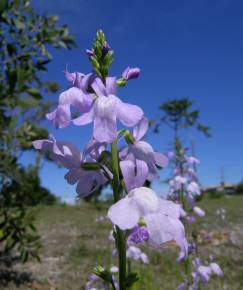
[(120, 235)]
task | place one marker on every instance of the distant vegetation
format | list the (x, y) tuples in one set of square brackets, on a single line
[(25, 37)]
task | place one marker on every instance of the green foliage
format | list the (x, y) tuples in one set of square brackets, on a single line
[(178, 114), (239, 188), (18, 232), (25, 38), (214, 194)]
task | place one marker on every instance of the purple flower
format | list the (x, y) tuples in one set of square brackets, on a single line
[(193, 188), (203, 273), (106, 109), (134, 173), (216, 269), (171, 154), (76, 96), (197, 210), (136, 254), (192, 173), (139, 235), (183, 286), (161, 217), (70, 157), (131, 73), (192, 160), (177, 182), (191, 219), (145, 159)]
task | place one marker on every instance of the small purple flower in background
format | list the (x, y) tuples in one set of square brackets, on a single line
[(136, 254), (220, 212), (170, 154), (105, 111), (193, 188), (71, 158), (99, 219), (177, 182), (114, 269), (197, 210), (183, 286), (203, 273), (192, 160), (131, 73)]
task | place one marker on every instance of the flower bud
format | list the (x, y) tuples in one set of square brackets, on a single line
[(131, 73), (89, 52), (106, 48)]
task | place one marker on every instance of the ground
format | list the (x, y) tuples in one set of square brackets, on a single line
[(73, 243)]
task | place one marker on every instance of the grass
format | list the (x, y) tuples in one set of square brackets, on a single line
[(73, 243)]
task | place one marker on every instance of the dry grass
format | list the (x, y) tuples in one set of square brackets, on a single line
[(73, 242)]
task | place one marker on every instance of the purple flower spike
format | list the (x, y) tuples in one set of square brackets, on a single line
[(139, 235), (131, 73)]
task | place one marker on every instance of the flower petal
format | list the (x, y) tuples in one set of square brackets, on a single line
[(85, 119), (145, 199), (105, 129), (124, 213), (77, 98), (160, 159), (128, 114), (170, 208), (99, 87), (43, 144), (140, 130), (133, 180), (216, 269), (163, 228), (110, 86)]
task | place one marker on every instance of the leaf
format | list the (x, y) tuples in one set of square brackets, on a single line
[(24, 256), (34, 92), (19, 24), (131, 279), (28, 102)]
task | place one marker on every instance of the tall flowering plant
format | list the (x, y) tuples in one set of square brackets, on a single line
[(138, 215), (185, 188)]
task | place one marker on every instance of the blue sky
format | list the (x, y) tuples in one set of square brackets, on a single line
[(184, 48)]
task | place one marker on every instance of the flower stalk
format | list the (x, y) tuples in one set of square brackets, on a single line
[(120, 235)]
